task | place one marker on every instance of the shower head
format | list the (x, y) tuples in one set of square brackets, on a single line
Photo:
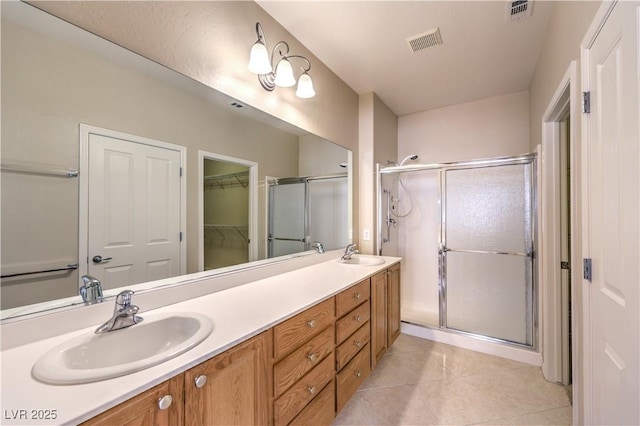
[(409, 157)]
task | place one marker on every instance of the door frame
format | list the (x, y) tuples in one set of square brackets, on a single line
[(253, 201), (563, 103), (83, 194)]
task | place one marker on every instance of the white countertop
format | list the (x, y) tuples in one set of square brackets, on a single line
[(237, 314)]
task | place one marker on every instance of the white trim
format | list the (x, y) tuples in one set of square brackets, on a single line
[(582, 410), (83, 195), (253, 202), (527, 356), (563, 103)]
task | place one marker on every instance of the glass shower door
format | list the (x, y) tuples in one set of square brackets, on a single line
[(287, 219), (487, 251)]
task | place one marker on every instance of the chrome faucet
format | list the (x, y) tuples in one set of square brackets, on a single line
[(318, 246), (124, 314), (91, 290), (349, 251)]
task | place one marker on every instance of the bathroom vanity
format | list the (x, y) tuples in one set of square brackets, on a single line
[(288, 349)]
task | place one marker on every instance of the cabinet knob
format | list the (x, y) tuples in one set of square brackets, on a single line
[(165, 402), (312, 390), (358, 373), (358, 343), (358, 318), (312, 357), (357, 296), (201, 381), (311, 323)]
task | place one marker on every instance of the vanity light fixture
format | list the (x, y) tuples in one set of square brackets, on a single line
[(260, 63)]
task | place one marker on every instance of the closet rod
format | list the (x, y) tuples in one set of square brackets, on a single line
[(70, 267), (36, 169)]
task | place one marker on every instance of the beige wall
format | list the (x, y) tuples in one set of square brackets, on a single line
[(492, 127), (378, 142), (209, 41), (567, 26)]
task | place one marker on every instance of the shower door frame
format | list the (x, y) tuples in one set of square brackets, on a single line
[(471, 164)]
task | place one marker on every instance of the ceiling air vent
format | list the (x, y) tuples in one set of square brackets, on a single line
[(518, 9), (426, 40)]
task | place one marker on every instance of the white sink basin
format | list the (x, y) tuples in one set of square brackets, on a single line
[(93, 357), (363, 260)]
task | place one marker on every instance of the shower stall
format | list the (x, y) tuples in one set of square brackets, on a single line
[(306, 209), (466, 233)]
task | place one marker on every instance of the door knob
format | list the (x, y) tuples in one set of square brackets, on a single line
[(99, 259)]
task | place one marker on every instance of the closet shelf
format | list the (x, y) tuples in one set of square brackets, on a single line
[(229, 180), (223, 230)]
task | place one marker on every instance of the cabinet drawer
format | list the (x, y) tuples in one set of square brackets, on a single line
[(302, 360), (292, 333), (352, 345), (295, 399), (321, 411), (352, 321), (352, 297), (352, 376)]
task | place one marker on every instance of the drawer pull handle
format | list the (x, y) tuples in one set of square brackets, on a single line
[(357, 296), (358, 373), (165, 402), (312, 390), (201, 381), (312, 357), (358, 318), (311, 323), (358, 343)]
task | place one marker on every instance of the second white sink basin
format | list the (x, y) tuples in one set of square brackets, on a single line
[(93, 357), (363, 260)]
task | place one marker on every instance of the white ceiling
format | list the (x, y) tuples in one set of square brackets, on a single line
[(364, 42)]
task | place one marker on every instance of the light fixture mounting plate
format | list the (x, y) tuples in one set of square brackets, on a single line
[(268, 81)]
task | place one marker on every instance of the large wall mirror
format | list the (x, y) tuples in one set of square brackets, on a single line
[(215, 172)]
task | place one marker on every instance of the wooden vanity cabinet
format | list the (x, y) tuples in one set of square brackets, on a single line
[(303, 367), (393, 304), (160, 405), (300, 372), (231, 388), (353, 333), (385, 311)]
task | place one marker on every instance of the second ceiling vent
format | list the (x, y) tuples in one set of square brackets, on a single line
[(425, 40)]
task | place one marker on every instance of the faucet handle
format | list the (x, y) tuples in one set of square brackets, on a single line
[(124, 298)]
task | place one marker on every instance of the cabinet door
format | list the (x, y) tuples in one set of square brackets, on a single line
[(393, 304), (231, 388), (378, 316), (144, 409)]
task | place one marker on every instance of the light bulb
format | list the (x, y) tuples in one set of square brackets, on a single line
[(305, 87), (284, 74), (259, 59)]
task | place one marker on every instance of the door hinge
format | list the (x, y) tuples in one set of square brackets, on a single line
[(586, 102), (564, 265), (587, 270), (180, 235), (180, 171)]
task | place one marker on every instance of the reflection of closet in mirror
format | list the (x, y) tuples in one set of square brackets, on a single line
[(226, 207)]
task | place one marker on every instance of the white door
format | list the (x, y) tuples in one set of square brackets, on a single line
[(612, 220), (134, 211)]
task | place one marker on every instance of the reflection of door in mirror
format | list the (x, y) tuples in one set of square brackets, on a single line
[(134, 229), (226, 214)]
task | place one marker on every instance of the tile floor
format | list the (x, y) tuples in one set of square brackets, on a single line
[(420, 382)]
